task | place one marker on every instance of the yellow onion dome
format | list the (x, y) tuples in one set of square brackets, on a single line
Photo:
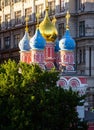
[(48, 29)]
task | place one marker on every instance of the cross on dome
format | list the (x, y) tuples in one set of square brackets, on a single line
[(37, 17), (46, 3), (67, 20), (26, 19)]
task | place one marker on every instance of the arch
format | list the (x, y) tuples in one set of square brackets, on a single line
[(62, 82), (49, 65), (74, 82)]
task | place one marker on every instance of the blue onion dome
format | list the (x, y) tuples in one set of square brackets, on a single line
[(24, 42), (57, 45), (37, 41), (67, 43)]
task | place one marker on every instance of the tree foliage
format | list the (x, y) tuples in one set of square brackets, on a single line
[(30, 99)]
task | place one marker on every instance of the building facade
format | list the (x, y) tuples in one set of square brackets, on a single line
[(12, 24)]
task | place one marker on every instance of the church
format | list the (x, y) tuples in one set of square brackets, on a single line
[(48, 52)]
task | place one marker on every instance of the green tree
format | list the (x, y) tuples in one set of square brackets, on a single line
[(30, 99)]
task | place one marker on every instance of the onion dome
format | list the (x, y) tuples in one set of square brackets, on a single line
[(37, 41), (57, 45), (48, 29), (67, 43), (24, 42)]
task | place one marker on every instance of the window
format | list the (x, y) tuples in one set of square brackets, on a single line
[(7, 2), (81, 5), (62, 5), (80, 56), (17, 1), (7, 42), (40, 10), (84, 55), (0, 43), (82, 28), (61, 29), (0, 4), (28, 12), (51, 6), (7, 20), (0, 22), (18, 17), (16, 40)]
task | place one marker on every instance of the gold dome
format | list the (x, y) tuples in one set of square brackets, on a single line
[(48, 29)]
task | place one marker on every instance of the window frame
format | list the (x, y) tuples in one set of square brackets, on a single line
[(7, 42), (81, 28)]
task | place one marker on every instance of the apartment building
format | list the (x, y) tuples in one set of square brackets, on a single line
[(12, 28)]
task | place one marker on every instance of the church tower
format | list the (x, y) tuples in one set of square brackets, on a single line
[(25, 54), (67, 47), (37, 44), (49, 32)]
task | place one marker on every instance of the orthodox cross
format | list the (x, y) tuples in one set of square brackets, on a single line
[(67, 19), (37, 17), (26, 19)]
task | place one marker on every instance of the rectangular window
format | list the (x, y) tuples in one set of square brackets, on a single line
[(16, 40), (7, 2), (7, 42), (62, 5), (61, 30), (51, 6), (0, 43), (81, 5), (82, 28), (18, 17), (40, 10), (7, 20), (84, 56), (28, 13)]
